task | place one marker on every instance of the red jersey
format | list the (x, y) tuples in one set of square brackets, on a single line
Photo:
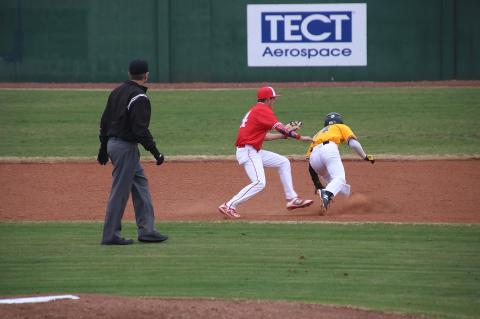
[(255, 125)]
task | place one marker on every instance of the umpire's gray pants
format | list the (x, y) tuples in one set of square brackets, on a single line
[(128, 176)]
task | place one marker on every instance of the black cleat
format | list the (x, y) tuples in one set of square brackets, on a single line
[(154, 237), (326, 198), (118, 241)]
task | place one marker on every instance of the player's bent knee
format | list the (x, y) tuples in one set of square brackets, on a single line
[(261, 185), (285, 163)]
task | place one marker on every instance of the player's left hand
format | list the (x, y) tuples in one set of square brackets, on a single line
[(294, 125), (306, 138), (369, 158)]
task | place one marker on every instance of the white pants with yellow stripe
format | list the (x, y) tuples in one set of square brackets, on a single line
[(326, 161)]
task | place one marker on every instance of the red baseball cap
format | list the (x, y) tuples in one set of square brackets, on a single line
[(266, 92)]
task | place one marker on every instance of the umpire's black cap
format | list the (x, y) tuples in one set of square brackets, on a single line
[(138, 66)]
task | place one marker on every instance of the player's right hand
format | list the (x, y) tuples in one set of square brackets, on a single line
[(306, 138)]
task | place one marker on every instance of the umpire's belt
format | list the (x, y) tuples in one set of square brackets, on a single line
[(114, 138)]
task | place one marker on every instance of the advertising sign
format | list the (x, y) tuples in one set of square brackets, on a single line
[(307, 34)]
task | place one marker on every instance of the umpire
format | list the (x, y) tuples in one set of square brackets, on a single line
[(124, 124)]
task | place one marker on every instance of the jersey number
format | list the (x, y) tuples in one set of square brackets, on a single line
[(245, 119)]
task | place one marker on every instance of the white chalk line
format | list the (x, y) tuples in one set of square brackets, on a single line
[(37, 299)]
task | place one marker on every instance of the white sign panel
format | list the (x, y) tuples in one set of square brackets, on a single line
[(307, 34)]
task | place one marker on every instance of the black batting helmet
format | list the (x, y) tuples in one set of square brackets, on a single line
[(333, 118)]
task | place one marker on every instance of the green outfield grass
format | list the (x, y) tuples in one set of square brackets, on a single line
[(424, 269), (399, 120)]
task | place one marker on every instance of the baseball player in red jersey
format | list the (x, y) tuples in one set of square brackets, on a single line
[(254, 129), (324, 157)]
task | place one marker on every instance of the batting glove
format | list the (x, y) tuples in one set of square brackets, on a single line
[(369, 158)]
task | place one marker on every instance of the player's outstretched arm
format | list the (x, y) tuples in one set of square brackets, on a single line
[(279, 127), (274, 136), (357, 147), (278, 136)]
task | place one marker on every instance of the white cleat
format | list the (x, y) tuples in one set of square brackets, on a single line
[(228, 211), (298, 203)]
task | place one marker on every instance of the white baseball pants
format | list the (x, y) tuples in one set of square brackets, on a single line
[(326, 161), (254, 162)]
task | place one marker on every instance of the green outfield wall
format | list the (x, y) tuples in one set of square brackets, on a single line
[(206, 41)]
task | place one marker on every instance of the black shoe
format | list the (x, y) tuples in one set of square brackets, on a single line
[(155, 237), (326, 198), (118, 241)]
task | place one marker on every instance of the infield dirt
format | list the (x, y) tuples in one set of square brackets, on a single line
[(432, 191)]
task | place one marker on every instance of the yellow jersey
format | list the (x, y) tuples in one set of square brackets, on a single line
[(337, 133)]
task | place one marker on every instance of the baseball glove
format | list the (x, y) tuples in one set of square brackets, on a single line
[(294, 125)]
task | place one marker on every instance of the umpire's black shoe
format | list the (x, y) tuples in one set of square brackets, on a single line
[(154, 237), (118, 241)]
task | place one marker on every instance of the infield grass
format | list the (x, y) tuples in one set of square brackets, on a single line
[(424, 269), (398, 120)]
